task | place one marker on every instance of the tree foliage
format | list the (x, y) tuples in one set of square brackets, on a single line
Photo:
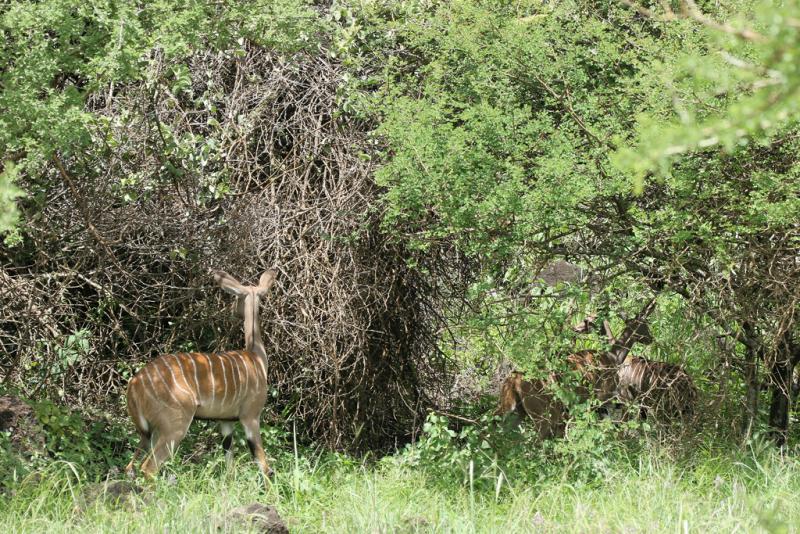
[(57, 54), (522, 134)]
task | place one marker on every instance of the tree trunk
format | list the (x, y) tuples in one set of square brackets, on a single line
[(779, 407), (751, 396), (781, 382), (752, 356)]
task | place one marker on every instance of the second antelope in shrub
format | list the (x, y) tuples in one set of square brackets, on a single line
[(535, 400), (598, 373), (172, 390), (662, 389)]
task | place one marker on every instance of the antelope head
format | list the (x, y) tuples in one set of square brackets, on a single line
[(636, 331), (247, 301)]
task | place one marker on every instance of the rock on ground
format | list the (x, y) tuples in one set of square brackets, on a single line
[(114, 493), (259, 517)]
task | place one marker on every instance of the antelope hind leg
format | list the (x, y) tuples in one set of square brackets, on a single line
[(142, 447), (226, 429), (251, 432), (167, 441)]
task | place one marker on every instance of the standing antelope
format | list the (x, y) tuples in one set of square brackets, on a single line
[(172, 390)]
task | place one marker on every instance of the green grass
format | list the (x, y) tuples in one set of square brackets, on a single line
[(728, 492)]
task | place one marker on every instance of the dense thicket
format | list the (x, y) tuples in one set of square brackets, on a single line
[(395, 160), (227, 155), (522, 133)]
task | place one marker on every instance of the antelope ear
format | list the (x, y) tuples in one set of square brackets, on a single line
[(586, 325), (620, 355), (265, 282), (229, 284)]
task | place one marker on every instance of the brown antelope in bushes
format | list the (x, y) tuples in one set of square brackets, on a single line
[(534, 401), (172, 390), (598, 371)]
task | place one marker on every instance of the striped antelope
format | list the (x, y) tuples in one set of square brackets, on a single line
[(661, 388), (172, 390), (598, 372)]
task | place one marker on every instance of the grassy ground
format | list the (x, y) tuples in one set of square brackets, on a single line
[(736, 492)]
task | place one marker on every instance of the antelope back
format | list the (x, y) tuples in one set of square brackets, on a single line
[(664, 388), (207, 386)]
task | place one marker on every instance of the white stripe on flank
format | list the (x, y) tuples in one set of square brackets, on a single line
[(188, 388), (146, 372), (222, 358), (225, 379), (153, 392), (243, 361), (172, 374), (237, 384), (169, 389), (240, 388), (196, 381), (248, 356), (213, 382)]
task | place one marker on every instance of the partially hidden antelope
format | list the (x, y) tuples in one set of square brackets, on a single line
[(598, 371), (174, 389), (535, 400), (662, 389)]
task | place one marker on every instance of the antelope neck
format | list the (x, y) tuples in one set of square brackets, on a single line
[(252, 330)]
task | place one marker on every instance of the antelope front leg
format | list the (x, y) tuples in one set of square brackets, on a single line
[(251, 432)]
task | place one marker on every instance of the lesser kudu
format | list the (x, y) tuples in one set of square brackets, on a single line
[(173, 389)]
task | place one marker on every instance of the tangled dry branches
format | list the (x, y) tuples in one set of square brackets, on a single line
[(236, 161)]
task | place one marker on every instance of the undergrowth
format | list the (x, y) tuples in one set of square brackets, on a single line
[(464, 480)]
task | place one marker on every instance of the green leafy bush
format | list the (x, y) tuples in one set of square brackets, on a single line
[(66, 433), (488, 455)]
